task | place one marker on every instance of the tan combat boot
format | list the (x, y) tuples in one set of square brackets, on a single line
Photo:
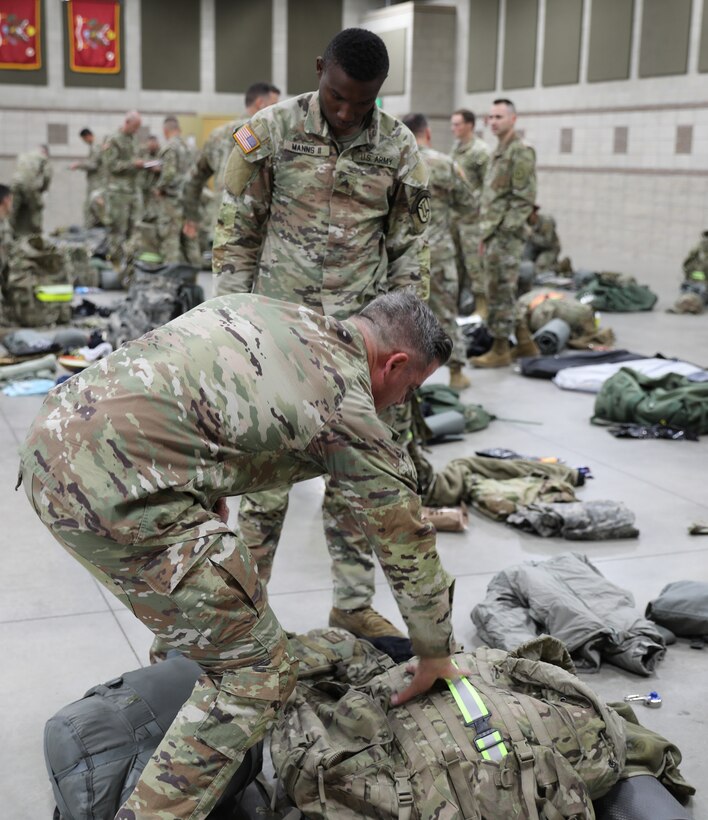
[(498, 356), (481, 306), (364, 623), (458, 380), (525, 345)]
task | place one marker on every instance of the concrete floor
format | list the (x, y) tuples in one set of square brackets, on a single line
[(61, 633)]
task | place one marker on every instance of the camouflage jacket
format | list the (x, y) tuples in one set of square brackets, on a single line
[(6, 238), (302, 221), (473, 158), (451, 195), (240, 394), (543, 235), (697, 259), (119, 155), (92, 166), (33, 172), (211, 161), (509, 191), (176, 160)]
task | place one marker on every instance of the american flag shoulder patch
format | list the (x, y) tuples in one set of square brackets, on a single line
[(246, 139)]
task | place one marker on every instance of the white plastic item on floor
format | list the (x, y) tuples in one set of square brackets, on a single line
[(591, 377)]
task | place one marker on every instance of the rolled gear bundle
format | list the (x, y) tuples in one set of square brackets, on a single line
[(552, 337)]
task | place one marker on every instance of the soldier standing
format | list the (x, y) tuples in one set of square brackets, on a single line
[(129, 463), (122, 201), (92, 167), (211, 160), (166, 195), (5, 230), (325, 204), (29, 183), (451, 195), (508, 198), (472, 154)]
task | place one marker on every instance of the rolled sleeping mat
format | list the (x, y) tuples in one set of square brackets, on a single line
[(582, 277), (110, 279), (552, 337), (449, 423), (30, 367), (641, 797)]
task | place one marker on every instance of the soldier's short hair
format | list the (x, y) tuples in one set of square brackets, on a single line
[(86, 132), (508, 103), (402, 321), (171, 122), (466, 114), (253, 92), (361, 54), (4, 192), (417, 123)]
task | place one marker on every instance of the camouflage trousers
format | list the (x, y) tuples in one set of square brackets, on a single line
[(122, 212), (27, 209), (260, 522), (444, 288), (217, 615), (502, 255), (546, 260), (169, 221), (469, 263)]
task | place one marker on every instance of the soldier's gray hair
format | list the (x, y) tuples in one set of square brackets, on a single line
[(402, 321)]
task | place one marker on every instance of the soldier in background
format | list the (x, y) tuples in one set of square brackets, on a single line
[(166, 194), (29, 183), (325, 204), (92, 167), (132, 474), (122, 201), (6, 236), (472, 154), (508, 198), (451, 196), (148, 175), (542, 243), (211, 160)]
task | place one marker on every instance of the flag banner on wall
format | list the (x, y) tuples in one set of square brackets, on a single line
[(94, 36), (19, 35)]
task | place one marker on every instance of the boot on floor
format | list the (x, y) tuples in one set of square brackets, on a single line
[(498, 356)]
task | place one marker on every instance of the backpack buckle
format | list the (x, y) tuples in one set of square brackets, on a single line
[(404, 793)]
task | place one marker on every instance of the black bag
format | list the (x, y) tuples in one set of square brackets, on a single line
[(95, 748), (546, 367)]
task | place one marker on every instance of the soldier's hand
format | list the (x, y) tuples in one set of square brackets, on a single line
[(480, 249), (425, 673), (74, 166), (139, 163), (189, 229)]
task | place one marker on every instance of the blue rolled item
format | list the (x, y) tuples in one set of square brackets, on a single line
[(552, 337)]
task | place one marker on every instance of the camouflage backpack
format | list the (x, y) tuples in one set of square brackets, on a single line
[(519, 737), (156, 295), (38, 290)]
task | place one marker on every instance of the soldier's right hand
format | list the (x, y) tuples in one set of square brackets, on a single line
[(425, 673), (189, 229), (139, 163)]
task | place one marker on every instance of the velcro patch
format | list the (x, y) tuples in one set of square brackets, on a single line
[(421, 206), (246, 139)]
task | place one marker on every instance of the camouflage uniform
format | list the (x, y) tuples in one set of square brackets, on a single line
[(6, 238), (211, 162), (30, 180), (473, 158), (451, 196), (507, 200), (697, 259), (92, 166), (122, 200), (542, 243), (306, 221), (167, 198), (125, 463)]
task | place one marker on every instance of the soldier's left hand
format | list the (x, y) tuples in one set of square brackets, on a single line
[(222, 510)]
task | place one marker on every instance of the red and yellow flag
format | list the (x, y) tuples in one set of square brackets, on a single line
[(19, 35), (94, 36)]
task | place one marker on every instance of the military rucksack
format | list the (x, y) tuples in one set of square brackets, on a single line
[(519, 737), (156, 295), (38, 289)]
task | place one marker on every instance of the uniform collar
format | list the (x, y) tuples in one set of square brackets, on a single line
[(315, 123), (502, 148)]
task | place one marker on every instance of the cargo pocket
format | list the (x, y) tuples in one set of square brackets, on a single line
[(242, 711)]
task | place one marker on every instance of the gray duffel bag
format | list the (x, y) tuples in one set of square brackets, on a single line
[(682, 607)]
